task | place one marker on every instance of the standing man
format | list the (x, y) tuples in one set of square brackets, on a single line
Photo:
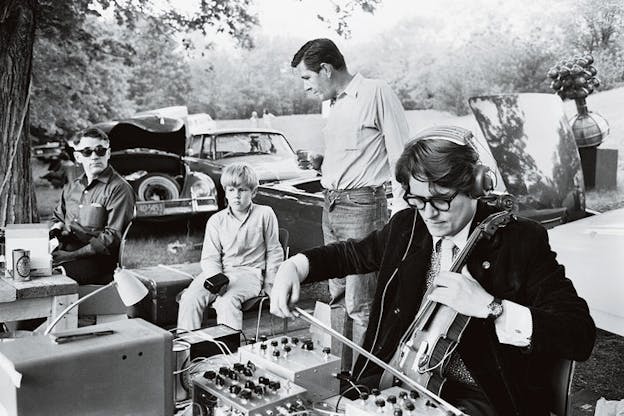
[(525, 314), (365, 134), (255, 121), (92, 214), (267, 119)]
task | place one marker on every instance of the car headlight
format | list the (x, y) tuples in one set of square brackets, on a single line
[(203, 186)]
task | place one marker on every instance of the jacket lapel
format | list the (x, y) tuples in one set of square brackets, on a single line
[(482, 261)]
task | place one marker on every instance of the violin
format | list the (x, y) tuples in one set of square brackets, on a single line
[(435, 332)]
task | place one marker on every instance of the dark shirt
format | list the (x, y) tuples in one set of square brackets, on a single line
[(113, 194)]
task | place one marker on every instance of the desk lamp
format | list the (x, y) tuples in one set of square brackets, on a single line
[(130, 289)]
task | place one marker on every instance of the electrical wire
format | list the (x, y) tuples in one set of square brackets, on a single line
[(244, 336), (225, 350), (222, 345), (327, 412), (383, 296), (354, 386)]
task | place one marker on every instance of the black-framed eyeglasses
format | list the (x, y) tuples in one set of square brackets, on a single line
[(87, 151), (439, 202)]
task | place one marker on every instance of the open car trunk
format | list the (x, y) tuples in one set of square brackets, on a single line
[(136, 160)]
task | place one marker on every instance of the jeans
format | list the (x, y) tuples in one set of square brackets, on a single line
[(354, 213)]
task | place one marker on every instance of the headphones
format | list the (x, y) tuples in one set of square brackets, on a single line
[(483, 175)]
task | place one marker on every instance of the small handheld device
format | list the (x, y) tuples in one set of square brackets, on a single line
[(215, 283)]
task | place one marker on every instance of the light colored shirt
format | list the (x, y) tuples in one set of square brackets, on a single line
[(253, 243), (267, 120), (365, 134), (515, 325)]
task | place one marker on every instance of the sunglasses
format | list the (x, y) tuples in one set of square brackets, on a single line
[(87, 151), (441, 203)]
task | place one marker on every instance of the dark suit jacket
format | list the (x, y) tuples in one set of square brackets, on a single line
[(517, 265)]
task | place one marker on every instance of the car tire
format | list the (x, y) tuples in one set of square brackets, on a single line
[(157, 187)]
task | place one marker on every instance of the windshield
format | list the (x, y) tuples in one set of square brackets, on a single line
[(241, 144)]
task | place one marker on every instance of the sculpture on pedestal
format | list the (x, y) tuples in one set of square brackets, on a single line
[(575, 78)]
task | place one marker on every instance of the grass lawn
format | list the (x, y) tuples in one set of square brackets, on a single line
[(180, 241)]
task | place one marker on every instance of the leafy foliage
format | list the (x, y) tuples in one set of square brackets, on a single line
[(343, 9), (101, 71), (232, 85), (75, 84), (101, 76)]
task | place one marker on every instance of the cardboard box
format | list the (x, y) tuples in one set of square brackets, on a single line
[(31, 237)]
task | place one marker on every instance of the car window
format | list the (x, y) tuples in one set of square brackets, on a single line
[(241, 144), (195, 147)]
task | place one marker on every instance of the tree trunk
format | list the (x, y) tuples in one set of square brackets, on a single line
[(17, 35)]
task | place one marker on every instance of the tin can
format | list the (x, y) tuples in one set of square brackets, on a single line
[(21, 264), (182, 374)]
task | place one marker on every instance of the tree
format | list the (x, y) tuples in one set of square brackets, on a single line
[(598, 24), (17, 35), (228, 85), (76, 84), (160, 75)]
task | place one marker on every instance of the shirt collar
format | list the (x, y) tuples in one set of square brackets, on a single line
[(231, 214), (352, 88), (103, 177), (461, 238)]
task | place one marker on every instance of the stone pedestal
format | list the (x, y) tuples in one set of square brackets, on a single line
[(599, 167)]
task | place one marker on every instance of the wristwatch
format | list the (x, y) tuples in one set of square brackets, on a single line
[(495, 309)]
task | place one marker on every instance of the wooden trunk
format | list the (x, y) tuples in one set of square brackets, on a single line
[(17, 33)]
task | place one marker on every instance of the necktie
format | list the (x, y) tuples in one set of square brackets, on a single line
[(447, 251), (434, 268)]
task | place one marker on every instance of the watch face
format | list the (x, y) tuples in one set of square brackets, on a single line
[(496, 309)]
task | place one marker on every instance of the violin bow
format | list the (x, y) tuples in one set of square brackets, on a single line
[(313, 321)]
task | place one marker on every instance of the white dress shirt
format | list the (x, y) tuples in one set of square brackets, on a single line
[(515, 325)]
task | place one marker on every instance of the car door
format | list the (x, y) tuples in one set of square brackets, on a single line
[(298, 205)]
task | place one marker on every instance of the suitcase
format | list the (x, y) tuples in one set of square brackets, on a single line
[(164, 283)]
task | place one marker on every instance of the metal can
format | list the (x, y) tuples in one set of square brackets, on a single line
[(21, 264), (182, 374)]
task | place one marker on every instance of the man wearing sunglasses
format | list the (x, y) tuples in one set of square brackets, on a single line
[(92, 214), (525, 313)]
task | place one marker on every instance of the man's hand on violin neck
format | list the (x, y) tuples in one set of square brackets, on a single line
[(462, 293)]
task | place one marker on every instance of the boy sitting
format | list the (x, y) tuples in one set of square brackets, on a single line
[(242, 242)]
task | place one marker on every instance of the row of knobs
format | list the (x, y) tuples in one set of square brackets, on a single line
[(405, 399), (263, 385), (285, 409), (306, 345)]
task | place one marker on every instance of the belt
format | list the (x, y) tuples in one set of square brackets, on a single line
[(332, 195)]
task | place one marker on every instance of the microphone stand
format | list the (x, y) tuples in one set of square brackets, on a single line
[(313, 321)]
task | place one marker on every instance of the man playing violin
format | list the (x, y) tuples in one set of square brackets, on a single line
[(524, 313)]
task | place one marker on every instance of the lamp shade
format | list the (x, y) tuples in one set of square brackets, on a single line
[(130, 289)]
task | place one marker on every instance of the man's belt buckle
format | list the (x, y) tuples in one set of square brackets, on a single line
[(332, 204), (332, 196)]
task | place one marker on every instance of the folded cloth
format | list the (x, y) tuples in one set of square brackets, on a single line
[(609, 407)]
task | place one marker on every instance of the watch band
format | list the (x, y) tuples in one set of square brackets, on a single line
[(495, 309)]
